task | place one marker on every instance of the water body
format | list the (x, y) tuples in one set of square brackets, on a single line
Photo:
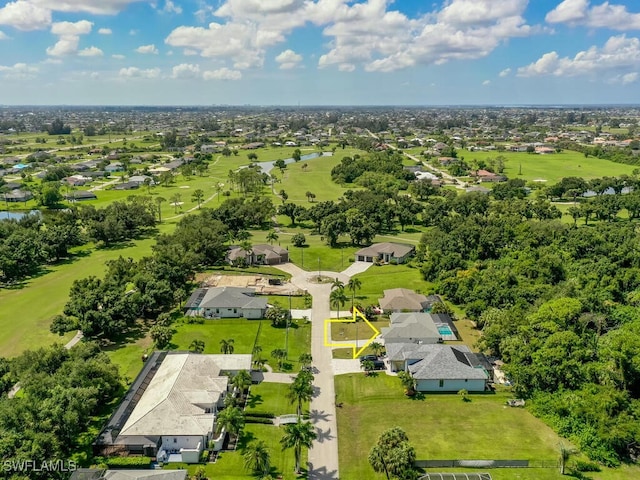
[(268, 166), (4, 215)]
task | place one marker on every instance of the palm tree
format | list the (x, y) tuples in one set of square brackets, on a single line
[(175, 201), (407, 382), (337, 284), (300, 391), (368, 366), (305, 359), (377, 348), (159, 201), (279, 354), (242, 380), (565, 454), (272, 236), (338, 299), (226, 346), (354, 284), (230, 419), (197, 346), (296, 436), (257, 458), (198, 197)]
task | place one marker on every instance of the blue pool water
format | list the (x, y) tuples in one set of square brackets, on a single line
[(444, 330)]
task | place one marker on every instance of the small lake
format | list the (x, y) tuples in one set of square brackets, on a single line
[(4, 215)]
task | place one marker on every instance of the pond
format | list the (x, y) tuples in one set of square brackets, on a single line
[(4, 215), (268, 166)]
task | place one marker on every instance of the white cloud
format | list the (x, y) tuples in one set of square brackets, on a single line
[(605, 15), (96, 7), (133, 32), (147, 49), (68, 37), (486, 82), (288, 59), (105, 31), (189, 53), (625, 79), (117, 56), (185, 70), (3, 36), (19, 71), (170, 7), (91, 52), (505, 72), (135, 72), (24, 15), (222, 74), (618, 54), (346, 67)]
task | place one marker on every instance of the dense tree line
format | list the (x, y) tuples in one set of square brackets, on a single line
[(387, 163), (35, 240), (558, 303), (61, 390)]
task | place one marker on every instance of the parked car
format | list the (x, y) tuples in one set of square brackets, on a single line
[(371, 358), (378, 365)]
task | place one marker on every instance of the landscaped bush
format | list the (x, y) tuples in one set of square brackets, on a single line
[(265, 421), (125, 462), (204, 456), (583, 466), (260, 414)]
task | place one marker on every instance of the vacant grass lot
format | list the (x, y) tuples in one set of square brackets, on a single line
[(379, 278), (552, 167), (448, 428), (271, 398), (347, 331), (26, 310), (483, 428)]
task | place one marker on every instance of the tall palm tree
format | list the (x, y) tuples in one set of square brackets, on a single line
[(272, 236), (198, 197), (377, 348), (226, 346), (337, 283), (338, 299), (257, 458), (176, 200), (159, 201), (354, 284), (300, 391), (305, 359), (230, 419), (242, 380), (296, 436)]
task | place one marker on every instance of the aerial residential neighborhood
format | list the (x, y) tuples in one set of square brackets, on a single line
[(320, 239)]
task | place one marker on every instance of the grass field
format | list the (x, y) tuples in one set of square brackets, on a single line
[(552, 167), (26, 310), (347, 331), (271, 398), (378, 278), (449, 429)]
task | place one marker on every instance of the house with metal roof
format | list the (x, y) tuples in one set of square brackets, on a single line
[(226, 302), (439, 368), (387, 252)]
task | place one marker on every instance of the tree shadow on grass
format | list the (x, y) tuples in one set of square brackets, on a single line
[(131, 335), (244, 439), (254, 400)]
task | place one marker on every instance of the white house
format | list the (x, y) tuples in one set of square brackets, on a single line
[(413, 327), (439, 368), (226, 302), (175, 416)]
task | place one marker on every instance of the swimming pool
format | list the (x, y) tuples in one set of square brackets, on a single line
[(444, 330)]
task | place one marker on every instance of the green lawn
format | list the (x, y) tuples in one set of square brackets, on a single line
[(552, 167), (347, 331), (378, 278), (26, 310), (448, 429), (271, 398)]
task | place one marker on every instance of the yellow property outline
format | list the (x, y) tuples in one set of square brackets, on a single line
[(356, 313)]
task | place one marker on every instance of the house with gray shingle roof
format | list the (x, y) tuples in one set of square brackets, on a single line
[(387, 252), (413, 327), (439, 368), (403, 300), (261, 254), (226, 302)]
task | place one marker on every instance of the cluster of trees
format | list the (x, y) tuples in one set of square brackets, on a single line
[(35, 240), (558, 303), (61, 390), (58, 127), (387, 164)]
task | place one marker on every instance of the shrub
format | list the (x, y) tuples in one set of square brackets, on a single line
[(125, 462), (260, 414), (584, 466), (265, 421), (204, 456)]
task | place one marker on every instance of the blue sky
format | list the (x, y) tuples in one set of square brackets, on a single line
[(319, 52)]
